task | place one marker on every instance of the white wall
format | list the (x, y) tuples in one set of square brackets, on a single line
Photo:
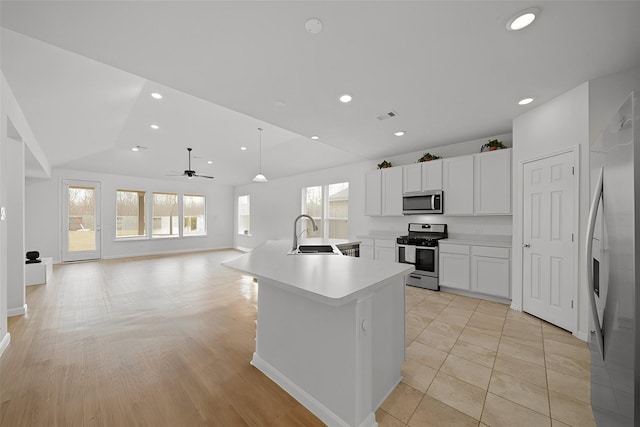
[(275, 204), (573, 119), (44, 210), (16, 297)]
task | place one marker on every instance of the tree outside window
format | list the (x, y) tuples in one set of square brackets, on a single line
[(193, 212), (130, 213), (328, 205), (165, 215)]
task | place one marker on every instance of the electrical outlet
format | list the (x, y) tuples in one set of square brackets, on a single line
[(3, 213)]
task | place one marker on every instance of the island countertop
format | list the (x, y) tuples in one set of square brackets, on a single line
[(332, 279)]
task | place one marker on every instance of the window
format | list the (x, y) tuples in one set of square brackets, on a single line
[(328, 205), (130, 213), (165, 215), (244, 215), (193, 212)]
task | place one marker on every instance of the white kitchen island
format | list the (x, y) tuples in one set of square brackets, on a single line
[(330, 329)]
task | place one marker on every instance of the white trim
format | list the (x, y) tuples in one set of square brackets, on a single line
[(170, 252), (17, 311), (311, 403), (5, 343), (517, 303), (476, 295)]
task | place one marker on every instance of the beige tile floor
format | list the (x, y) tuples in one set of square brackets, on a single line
[(471, 362)]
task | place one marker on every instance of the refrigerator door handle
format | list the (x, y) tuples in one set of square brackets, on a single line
[(593, 212)]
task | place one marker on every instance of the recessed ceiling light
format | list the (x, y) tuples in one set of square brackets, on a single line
[(315, 137), (156, 95), (522, 19), (243, 148), (399, 133), (135, 149), (345, 98), (525, 101), (210, 162), (154, 127)]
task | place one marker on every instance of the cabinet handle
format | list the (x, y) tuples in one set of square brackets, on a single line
[(526, 245), (415, 277)]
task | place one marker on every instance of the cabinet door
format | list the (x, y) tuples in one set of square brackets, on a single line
[(366, 252), (385, 254), (392, 191), (412, 178), (458, 185), (432, 175), (373, 193), (490, 276), (454, 271), (492, 190)]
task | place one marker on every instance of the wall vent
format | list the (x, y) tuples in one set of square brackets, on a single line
[(388, 115)]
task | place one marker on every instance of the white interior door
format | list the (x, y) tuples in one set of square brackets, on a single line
[(81, 236), (548, 240)]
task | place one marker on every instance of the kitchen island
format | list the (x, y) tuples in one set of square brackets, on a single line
[(330, 329)]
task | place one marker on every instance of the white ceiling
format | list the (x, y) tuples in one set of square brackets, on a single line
[(83, 71)]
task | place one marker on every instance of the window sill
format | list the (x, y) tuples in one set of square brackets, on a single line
[(246, 235)]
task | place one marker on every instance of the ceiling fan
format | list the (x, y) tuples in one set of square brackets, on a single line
[(189, 173)]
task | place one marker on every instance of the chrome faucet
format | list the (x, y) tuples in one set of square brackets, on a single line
[(295, 234)]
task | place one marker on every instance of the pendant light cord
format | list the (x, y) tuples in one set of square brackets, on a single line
[(260, 169)]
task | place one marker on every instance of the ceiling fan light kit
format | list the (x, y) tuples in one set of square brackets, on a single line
[(260, 177)]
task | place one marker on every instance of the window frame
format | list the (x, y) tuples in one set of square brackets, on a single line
[(183, 216), (144, 216), (248, 229), (152, 235), (325, 220)]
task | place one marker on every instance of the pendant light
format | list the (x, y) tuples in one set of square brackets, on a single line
[(260, 177)]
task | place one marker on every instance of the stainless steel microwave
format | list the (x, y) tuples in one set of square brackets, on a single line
[(427, 202)]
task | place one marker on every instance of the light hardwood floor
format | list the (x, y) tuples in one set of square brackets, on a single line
[(166, 341)]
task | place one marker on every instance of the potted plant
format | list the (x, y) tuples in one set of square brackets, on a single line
[(493, 144), (428, 156), (384, 165)]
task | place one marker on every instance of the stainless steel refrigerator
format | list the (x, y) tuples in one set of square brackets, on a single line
[(613, 258)]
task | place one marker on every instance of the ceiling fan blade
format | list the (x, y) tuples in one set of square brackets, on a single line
[(174, 173), (203, 176)]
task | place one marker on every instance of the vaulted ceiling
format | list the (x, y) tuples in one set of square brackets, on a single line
[(83, 73)]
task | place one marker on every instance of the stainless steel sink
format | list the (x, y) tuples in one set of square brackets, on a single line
[(315, 250)]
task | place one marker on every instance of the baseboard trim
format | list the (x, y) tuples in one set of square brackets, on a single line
[(325, 414), (160, 253), (17, 311), (5, 343)]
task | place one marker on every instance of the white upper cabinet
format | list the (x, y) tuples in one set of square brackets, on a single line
[(458, 185), (392, 191), (492, 192), (373, 193), (412, 178), (432, 175), (478, 184), (383, 192), (418, 177)]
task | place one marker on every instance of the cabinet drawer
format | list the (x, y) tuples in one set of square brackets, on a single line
[(453, 249), (384, 243), (366, 242), (491, 251)]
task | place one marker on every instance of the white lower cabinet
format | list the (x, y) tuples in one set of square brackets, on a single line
[(378, 249), (385, 250), (490, 271), (481, 269), (454, 266)]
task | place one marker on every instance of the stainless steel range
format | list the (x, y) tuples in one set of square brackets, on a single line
[(420, 248)]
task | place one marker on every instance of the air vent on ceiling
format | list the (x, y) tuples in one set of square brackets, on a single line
[(388, 115)]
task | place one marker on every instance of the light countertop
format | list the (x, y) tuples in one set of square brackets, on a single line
[(479, 240), (332, 279)]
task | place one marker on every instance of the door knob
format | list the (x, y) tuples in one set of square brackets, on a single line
[(526, 245)]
